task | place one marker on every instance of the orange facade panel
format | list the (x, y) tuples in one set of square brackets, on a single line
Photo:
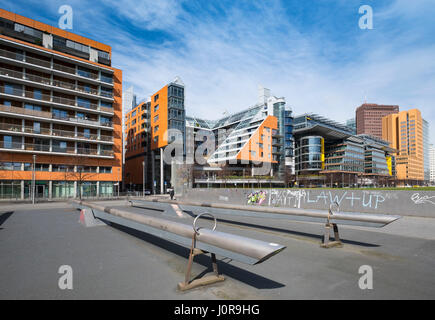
[(159, 119), (50, 29), (259, 146)]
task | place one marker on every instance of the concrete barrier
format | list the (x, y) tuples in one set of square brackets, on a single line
[(396, 202)]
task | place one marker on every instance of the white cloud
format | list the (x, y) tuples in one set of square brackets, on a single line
[(222, 60)]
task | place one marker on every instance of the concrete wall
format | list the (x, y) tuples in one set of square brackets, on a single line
[(399, 202)]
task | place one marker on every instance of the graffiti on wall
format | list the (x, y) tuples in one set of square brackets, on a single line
[(294, 198), (286, 198), (417, 199), (257, 197)]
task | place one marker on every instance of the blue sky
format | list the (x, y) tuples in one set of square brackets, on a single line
[(311, 52)]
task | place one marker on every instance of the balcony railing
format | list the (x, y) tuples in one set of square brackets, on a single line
[(39, 62), (45, 131), (106, 138), (10, 127), (46, 97), (55, 83), (54, 148), (56, 66), (24, 111), (63, 68)]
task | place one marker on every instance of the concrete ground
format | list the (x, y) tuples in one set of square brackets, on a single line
[(117, 263)]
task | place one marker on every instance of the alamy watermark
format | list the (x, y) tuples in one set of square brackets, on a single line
[(66, 20), (66, 280), (366, 280), (366, 20)]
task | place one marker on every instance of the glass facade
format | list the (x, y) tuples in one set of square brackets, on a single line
[(309, 153)]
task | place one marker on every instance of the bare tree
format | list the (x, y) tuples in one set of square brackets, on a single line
[(80, 175)]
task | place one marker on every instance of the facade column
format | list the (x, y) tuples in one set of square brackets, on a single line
[(153, 173), (50, 189), (98, 188), (162, 178), (22, 189), (75, 189)]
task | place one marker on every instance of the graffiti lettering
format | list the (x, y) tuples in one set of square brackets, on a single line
[(424, 199), (257, 197)]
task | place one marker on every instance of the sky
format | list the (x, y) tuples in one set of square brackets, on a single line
[(312, 52)]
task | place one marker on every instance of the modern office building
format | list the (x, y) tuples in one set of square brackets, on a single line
[(257, 141), (426, 160), (351, 123), (60, 112), (404, 131), (432, 163), (368, 118), (328, 153)]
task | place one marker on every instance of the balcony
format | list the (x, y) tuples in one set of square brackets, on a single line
[(54, 132), (55, 149), (54, 99), (23, 111), (53, 66), (54, 83)]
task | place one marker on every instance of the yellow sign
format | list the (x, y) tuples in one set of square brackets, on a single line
[(390, 165), (322, 156)]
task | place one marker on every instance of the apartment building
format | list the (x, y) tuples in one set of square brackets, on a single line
[(404, 131), (137, 147), (60, 112), (368, 118)]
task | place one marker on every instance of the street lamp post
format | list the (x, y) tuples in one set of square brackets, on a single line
[(143, 179), (119, 185), (33, 180)]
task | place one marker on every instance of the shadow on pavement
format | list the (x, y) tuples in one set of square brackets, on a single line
[(4, 216), (224, 265)]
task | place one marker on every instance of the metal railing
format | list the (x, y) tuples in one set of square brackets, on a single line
[(54, 132), (199, 240), (54, 148), (55, 83), (24, 111), (47, 64)]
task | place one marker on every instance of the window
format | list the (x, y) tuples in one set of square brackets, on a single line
[(28, 31), (84, 72), (87, 133), (42, 167), (84, 103), (36, 127), (105, 169), (9, 88), (59, 114), (133, 122), (156, 138), (156, 128), (156, 108), (156, 118), (106, 105), (156, 97), (32, 107), (106, 92), (62, 168), (105, 121), (106, 78), (77, 46)]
